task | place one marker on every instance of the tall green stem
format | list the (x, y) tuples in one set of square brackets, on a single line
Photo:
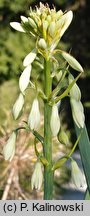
[(48, 174)]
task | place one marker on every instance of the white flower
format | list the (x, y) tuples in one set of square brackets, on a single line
[(64, 22), (37, 177), (30, 58), (75, 91), (55, 121), (17, 26), (72, 61), (34, 116), (25, 78), (9, 148), (77, 175), (78, 113), (18, 106)]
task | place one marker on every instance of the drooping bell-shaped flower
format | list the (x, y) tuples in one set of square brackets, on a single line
[(9, 148), (37, 177), (25, 78), (72, 61), (17, 108), (34, 116), (30, 58), (55, 121), (78, 113), (75, 91), (77, 175)]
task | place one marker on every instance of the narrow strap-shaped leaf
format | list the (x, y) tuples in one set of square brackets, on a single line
[(65, 93), (84, 146), (39, 155), (59, 85), (63, 159), (38, 136), (87, 195)]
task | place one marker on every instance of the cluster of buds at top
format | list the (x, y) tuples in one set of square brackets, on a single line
[(46, 24)]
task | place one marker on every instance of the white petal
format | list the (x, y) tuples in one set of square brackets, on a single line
[(18, 106), (17, 26), (72, 61), (24, 19), (66, 19), (30, 58), (25, 78)]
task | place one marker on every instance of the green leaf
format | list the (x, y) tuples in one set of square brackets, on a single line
[(87, 195), (84, 146), (38, 136), (65, 93), (63, 159)]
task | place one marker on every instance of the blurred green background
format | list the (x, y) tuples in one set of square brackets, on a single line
[(15, 45)]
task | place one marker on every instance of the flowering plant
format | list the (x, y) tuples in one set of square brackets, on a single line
[(47, 26)]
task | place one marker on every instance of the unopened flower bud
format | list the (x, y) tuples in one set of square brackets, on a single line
[(9, 148), (32, 23), (78, 113), (45, 26), (51, 29), (63, 138), (55, 121), (42, 44), (75, 91), (49, 19), (37, 177), (25, 78), (24, 19), (17, 108), (77, 175), (34, 116)]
